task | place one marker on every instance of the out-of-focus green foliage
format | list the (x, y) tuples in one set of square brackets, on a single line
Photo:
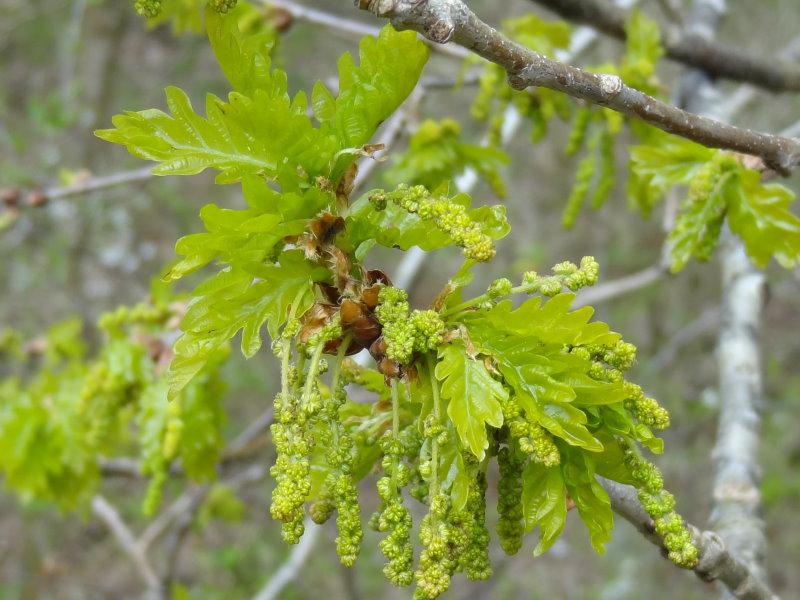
[(57, 425), (721, 189), (436, 154)]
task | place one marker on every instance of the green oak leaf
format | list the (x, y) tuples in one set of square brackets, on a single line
[(759, 214), (591, 500), (238, 299), (544, 503), (474, 396)]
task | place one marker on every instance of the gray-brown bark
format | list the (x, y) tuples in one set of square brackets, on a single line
[(690, 48), (715, 561), (443, 21)]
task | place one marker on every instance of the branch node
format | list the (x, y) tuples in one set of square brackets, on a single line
[(440, 31), (518, 81), (380, 8), (710, 565), (610, 85)]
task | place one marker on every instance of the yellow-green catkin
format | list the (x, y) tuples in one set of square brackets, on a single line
[(660, 505), (510, 526)]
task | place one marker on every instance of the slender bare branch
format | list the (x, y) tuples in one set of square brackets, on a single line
[(180, 530), (452, 20), (106, 512), (621, 286), (13, 197), (93, 184), (343, 24), (716, 562), (120, 467), (290, 569), (250, 434), (688, 47), (706, 323), (161, 524)]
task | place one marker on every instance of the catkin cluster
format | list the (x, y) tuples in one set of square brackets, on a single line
[(141, 314), (646, 410), (297, 408), (102, 392), (660, 505), (152, 8), (473, 560), (340, 492), (494, 97), (436, 562), (404, 333), (597, 130), (449, 216), (530, 437), (609, 362), (510, 527), (454, 540), (148, 8), (222, 6), (702, 193), (393, 517), (565, 275)]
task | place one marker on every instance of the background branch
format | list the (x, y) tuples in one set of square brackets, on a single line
[(736, 496), (106, 512), (289, 570), (13, 197), (689, 48), (715, 562), (619, 287), (451, 20)]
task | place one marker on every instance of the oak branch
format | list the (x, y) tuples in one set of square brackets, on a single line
[(443, 21), (687, 47)]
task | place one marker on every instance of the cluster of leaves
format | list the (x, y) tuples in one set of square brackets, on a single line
[(62, 410), (720, 189), (595, 129), (261, 134), (538, 387)]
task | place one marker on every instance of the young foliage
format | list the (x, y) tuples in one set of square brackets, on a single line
[(595, 129), (261, 130), (473, 397), (720, 189), (56, 427), (539, 105)]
